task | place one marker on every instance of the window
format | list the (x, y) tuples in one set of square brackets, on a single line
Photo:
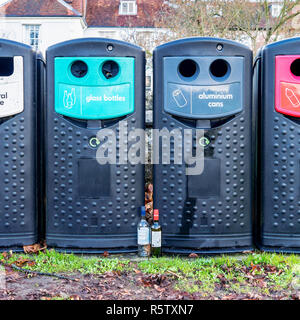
[(128, 7), (275, 10), (32, 35)]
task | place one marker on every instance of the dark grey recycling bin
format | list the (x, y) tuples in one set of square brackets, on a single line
[(94, 86), (205, 83), (277, 100), (20, 107)]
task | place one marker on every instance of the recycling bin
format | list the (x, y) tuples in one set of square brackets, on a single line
[(95, 91), (19, 111), (205, 85), (277, 101)]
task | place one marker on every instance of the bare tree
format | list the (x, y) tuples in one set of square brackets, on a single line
[(264, 21), (256, 22)]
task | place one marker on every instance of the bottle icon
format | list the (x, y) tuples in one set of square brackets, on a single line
[(290, 94), (69, 99), (156, 235), (143, 235)]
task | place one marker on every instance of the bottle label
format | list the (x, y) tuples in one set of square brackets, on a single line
[(143, 236), (156, 239)]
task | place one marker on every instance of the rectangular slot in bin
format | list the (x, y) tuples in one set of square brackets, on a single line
[(207, 184), (93, 179)]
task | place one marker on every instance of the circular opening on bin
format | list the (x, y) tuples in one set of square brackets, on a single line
[(295, 68), (110, 69), (219, 68), (79, 69), (187, 68)]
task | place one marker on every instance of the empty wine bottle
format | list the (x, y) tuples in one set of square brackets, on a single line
[(156, 235), (143, 235)]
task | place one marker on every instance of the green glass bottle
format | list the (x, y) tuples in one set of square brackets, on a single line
[(156, 235)]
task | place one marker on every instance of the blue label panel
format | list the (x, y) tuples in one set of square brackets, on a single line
[(93, 96), (210, 101), (203, 95)]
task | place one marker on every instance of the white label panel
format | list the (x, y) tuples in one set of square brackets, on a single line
[(143, 236), (156, 239), (12, 91)]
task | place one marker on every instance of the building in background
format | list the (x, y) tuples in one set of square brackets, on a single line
[(129, 20), (117, 18), (41, 23)]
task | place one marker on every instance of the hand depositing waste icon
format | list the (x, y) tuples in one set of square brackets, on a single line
[(69, 98)]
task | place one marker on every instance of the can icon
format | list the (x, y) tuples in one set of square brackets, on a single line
[(179, 98)]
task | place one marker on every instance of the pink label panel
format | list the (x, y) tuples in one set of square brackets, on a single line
[(287, 86)]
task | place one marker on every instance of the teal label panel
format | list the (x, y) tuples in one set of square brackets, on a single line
[(93, 96)]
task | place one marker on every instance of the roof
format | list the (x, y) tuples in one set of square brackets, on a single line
[(103, 13), (34, 8), (78, 5), (97, 13)]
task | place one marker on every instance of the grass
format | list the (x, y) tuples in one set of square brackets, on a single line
[(239, 274), (52, 261), (259, 272)]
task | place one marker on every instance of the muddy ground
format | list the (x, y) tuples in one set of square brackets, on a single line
[(114, 286)]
